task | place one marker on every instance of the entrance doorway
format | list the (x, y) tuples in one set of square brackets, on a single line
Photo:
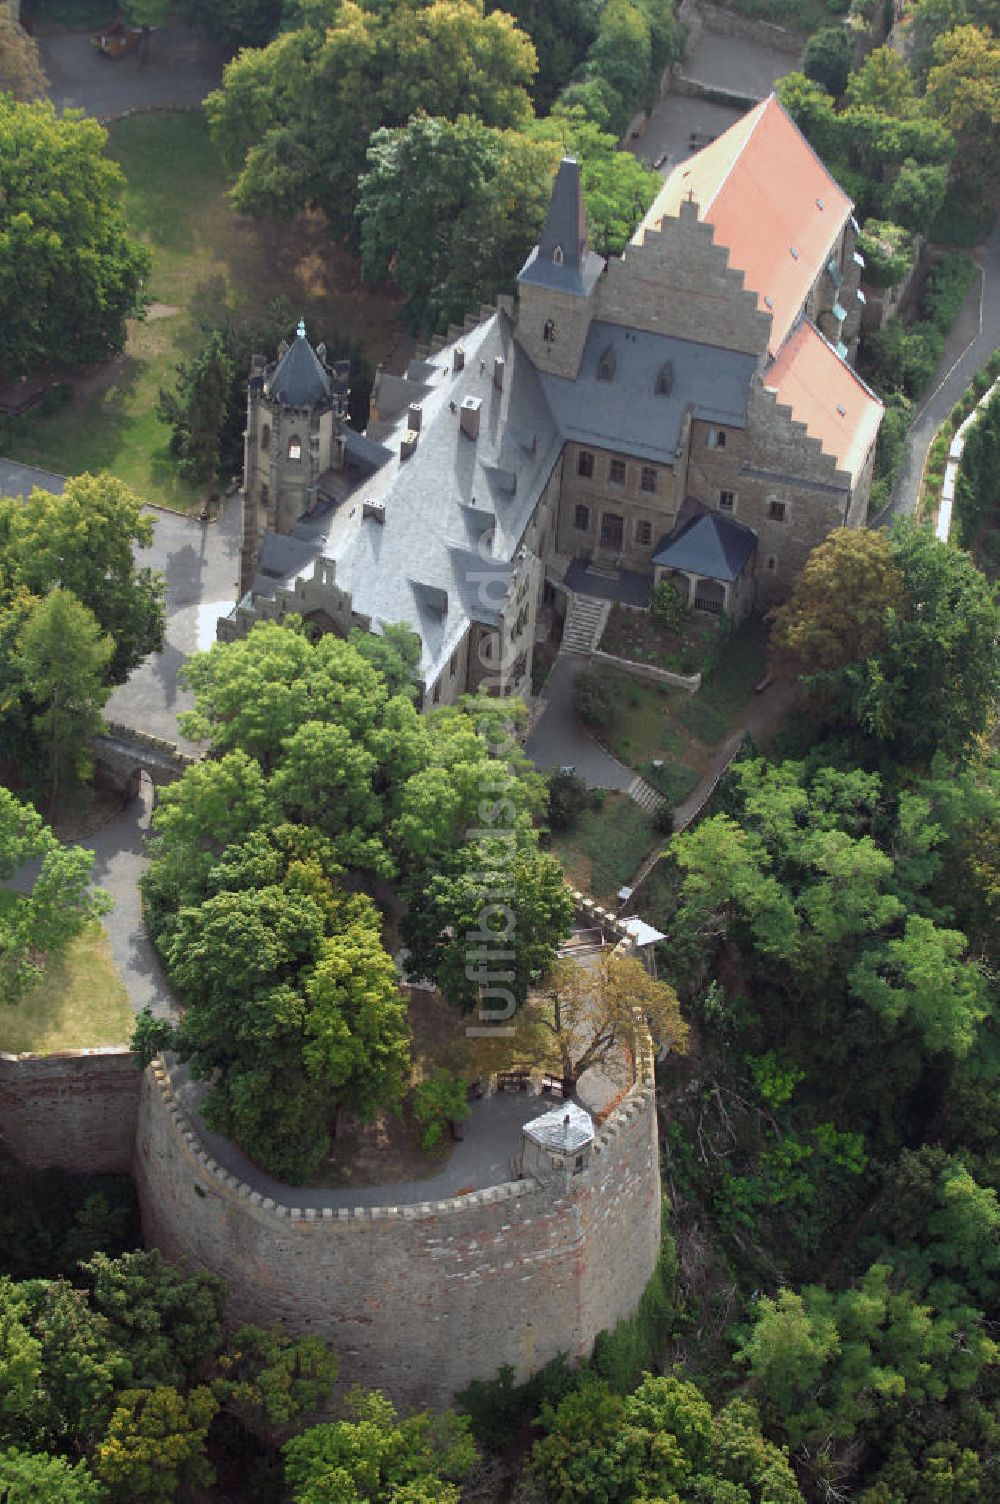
[(612, 530)]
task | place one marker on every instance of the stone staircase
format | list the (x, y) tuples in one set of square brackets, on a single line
[(644, 794), (585, 619)]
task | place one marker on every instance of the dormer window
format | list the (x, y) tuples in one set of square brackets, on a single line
[(295, 448), (606, 366), (665, 379), (549, 332), (557, 255)]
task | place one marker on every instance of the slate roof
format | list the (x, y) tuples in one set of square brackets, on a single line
[(299, 379), (772, 203), (564, 236), (565, 1129), (626, 412), (827, 396), (711, 546)]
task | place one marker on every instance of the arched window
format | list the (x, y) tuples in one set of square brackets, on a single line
[(557, 255), (265, 436), (549, 332), (295, 447)]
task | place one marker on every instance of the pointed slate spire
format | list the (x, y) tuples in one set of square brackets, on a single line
[(562, 258)]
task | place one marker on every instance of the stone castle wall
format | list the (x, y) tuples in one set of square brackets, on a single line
[(421, 1299), (76, 1110)]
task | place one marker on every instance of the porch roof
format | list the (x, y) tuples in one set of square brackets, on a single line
[(713, 547)]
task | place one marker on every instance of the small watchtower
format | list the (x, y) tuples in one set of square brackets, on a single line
[(559, 1143), (556, 284), (296, 414)]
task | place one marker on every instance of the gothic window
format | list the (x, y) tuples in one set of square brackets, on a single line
[(265, 495), (647, 480), (557, 255), (644, 534), (581, 519), (549, 332), (453, 664), (727, 501), (295, 447), (665, 379), (616, 472), (606, 366), (265, 436), (585, 464)]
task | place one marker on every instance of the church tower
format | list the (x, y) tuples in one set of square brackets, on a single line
[(556, 284), (296, 414)]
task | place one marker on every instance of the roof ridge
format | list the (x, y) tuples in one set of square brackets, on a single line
[(805, 320), (761, 108)]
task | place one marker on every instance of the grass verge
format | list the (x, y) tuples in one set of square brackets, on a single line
[(601, 852), (79, 1004), (207, 260)]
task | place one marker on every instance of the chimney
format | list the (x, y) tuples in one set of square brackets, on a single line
[(458, 359), (415, 415), (498, 373), (409, 443), (469, 416)]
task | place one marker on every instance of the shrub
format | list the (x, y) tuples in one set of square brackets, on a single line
[(945, 290), (668, 608), (888, 252), (591, 699), (568, 798), (827, 58), (438, 1101), (663, 819)]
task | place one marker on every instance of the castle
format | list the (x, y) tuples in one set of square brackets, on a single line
[(685, 411)]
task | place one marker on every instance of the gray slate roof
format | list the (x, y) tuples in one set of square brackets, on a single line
[(299, 379), (627, 412), (562, 259), (710, 546), (565, 1129)]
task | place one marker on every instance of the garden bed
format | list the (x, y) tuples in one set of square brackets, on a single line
[(639, 637)]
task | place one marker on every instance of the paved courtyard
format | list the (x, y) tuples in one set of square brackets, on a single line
[(183, 66), (558, 739)]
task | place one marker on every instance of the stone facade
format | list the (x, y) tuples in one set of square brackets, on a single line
[(788, 470), (419, 1300), (76, 1110)]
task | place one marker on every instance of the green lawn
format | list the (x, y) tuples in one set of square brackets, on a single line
[(80, 1003), (206, 259), (679, 729), (601, 853)]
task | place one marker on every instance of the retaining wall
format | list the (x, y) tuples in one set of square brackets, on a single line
[(421, 1299), (76, 1110), (689, 682)]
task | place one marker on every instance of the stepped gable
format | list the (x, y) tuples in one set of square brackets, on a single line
[(826, 395), (299, 379), (772, 204)]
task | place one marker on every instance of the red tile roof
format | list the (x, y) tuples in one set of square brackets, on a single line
[(772, 203), (827, 396)]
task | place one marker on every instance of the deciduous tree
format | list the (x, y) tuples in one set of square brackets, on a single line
[(69, 275), (21, 72)]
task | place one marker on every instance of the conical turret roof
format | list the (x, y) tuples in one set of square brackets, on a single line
[(300, 378)]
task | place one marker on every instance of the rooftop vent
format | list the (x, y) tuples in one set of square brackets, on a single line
[(768, 301), (842, 410), (498, 365), (374, 511), (409, 444), (469, 416), (458, 359), (795, 252), (415, 415), (820, 204)]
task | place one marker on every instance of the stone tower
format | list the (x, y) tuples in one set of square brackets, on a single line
[(556, 284), (296, 414)]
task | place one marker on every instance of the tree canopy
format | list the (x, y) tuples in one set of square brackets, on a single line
[(69, 274)]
